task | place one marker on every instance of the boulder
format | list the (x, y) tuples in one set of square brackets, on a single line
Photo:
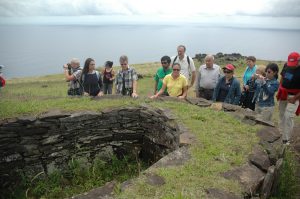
[(268, 183), (260, 158), (249, 176), (101, 192), (220, 194), (154, 179), (269, 134)]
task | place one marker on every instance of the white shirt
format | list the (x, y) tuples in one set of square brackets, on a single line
[(186, 68), (208, 77)]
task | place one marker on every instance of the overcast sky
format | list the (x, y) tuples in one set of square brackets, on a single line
[(145, 10)]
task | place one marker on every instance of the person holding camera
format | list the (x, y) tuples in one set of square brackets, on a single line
[(247, 100), (266, 86), (72, 73)]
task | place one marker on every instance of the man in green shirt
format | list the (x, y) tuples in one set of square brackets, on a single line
[(161, 73)]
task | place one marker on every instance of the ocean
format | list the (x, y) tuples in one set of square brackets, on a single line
[(35, 50)]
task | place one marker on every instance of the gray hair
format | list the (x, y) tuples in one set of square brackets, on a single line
[(182, 46), (75, 61), (123, 58), (209, 56)]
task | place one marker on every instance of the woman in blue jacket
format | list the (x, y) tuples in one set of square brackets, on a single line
[(265, 91), (228, 87)]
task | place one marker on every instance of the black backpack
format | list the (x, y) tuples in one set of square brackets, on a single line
[(188, 60)]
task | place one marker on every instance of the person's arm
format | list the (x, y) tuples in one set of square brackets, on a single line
[(156, 79), (67, 75), (270, 89), (184, 93), (112, 75), (237, 96), (216, 90), (100, 85), (163, 88), (193, 69), (134, 83), (193, 79), (155, 87), (134, 89), (294, 99), (197, 86)]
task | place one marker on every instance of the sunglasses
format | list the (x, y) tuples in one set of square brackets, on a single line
[(164, 62), (123, 64), (175, 69), (227, 71)]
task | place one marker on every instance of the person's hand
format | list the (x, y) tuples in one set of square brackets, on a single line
[(260, 77), (246, 87), (100, 94), (86, 94), (181, 97), (153, 96), (291, 100), (134, 95), (65, 66)]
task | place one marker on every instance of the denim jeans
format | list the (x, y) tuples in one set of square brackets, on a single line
[(107, 88)]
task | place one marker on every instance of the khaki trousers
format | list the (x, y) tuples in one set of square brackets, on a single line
[(286, 118)]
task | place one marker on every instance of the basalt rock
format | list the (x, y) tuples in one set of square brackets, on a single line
[(49, 141)]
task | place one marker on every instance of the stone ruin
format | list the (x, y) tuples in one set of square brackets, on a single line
[(48, 142)]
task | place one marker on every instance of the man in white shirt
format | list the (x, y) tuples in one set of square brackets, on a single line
[(207, 78), (187, 65)]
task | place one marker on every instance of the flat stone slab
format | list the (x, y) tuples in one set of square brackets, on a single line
[(249, 176), (105, 191), (53, 114), (154, 179), (220, 194), (175, 158), (268, 134), (268, 183), (187, 138), (199, 102), (260, 158)]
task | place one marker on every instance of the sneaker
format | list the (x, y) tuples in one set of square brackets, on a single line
[(286, 142)]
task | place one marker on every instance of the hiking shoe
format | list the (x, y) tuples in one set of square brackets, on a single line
[(286, 142)]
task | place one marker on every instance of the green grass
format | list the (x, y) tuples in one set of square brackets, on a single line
[(223, 143), (289, 183), (77, 178)]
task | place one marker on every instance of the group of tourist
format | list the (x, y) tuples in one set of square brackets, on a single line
[(178, 74)]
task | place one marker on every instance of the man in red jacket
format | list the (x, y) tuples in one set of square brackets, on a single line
[(289, 96)]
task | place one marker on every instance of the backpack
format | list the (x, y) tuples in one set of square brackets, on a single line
[(188, 60), (2, 82), (97, 73)]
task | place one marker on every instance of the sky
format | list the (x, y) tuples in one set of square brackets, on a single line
[(146, 11)]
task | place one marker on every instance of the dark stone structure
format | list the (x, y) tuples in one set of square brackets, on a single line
[(48, 142)]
